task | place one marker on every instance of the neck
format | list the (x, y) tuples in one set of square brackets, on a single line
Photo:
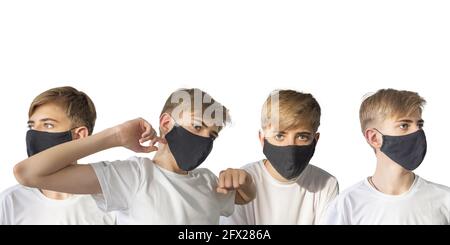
[(274, 173), (391, 178), (165, 159), (55, 195)]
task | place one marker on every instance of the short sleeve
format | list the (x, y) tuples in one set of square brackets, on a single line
[(327, 195), (333, 215), (5, 219), (119, 181), (239, 217)]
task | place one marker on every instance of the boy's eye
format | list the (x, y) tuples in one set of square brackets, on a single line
[(29, 126), (197, 127), (420, 125), (303, 138), (404, 126), (48, 125), (279, 137)]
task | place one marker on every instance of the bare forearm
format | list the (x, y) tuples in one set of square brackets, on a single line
[(56, 158)]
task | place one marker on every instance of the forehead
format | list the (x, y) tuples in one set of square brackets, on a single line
[(51, 110), (416, 115), (391, 119)]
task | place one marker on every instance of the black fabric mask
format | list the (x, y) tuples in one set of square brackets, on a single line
[(188, 149), (38, 141), (291, 160), (407, 150)]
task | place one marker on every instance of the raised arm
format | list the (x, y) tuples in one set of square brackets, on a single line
[(53, 169)]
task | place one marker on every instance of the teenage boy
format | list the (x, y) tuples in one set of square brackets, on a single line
[(289, 189), (391, 122), (56, 116), (169, 189)]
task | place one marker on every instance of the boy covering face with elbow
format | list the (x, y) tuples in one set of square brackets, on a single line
[(56, 116), (168, 189)]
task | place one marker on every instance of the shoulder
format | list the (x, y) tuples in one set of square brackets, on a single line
[(132, 164), (441, 190), (348, 195), (316, 177), (14, 193), (141, 162), (254, 168), (204, 172)]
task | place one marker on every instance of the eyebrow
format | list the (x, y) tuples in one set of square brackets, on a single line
[(48, 119), (279, 132), (411, 121), (305, 132), (406, 121), (43, 120), (299, 133)]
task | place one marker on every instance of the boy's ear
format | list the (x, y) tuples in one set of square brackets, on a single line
[(166, 124), (373, 138), (80, 132), (317, 136), (261, 137)]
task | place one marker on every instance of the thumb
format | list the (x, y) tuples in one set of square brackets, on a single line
[(221, 190), (147, 149)]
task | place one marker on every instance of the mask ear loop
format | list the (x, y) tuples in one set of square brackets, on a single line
[(175, 124), (379, 131), (381, 135)]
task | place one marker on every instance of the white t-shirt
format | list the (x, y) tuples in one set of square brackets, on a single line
[(20, 205), (302, 201), (424, 203), (143, 193)]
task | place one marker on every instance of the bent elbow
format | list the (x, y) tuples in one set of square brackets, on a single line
[(21, 176)]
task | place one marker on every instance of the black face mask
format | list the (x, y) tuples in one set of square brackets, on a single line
[(188, 149), (38, 141), (291, 160), (407, 150)]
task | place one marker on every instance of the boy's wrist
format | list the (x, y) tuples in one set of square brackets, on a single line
[(111, 137), (249, 186)]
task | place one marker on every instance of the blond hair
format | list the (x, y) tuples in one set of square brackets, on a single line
[(287, 109), (78, 106), (197, 101), (389, 103)]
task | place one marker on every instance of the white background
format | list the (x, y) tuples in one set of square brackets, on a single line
[(129, 55)]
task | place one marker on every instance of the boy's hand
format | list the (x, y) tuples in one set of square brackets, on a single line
[(132, 134), (232, 179), (239, 180)]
